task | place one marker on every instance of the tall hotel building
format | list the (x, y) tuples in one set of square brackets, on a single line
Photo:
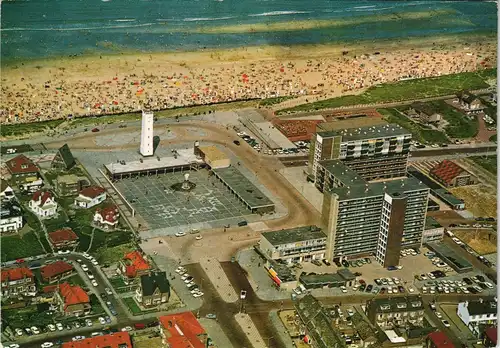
[(374, 152), (365, 213)]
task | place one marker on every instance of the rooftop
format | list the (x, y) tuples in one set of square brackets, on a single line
[(482, 306), (355, 187), (73, 294), (364, 133), (11, 274), (397, 304), (446, 171), (62, 235), (10, 210), (325, 278), (182, 330), (213, 153), (114, 340), (294, 235), (444, 251), (155, 280), (54, 269), (64, 154), (134, 261), (349, 123), (42, 196), (92, 191), (184, 158), (21, 164), (68, 179), (424, 108), (447, 196), (440, 340), (243, 187)]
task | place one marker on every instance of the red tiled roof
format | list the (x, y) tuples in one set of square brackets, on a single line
[(492, 334), (136, 263), (49, 288), (17, 273), (183, 331), (446, 171), (65, 234), (55, 269), (440, 340), (109, 214), (43, 196), (92, 191), (21, 164), (107, 341), (73, 294)]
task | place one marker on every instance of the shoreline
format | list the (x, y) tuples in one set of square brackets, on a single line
[(279, 51), (84, 86)]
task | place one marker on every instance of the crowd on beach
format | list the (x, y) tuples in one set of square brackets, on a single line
[(61, 97)]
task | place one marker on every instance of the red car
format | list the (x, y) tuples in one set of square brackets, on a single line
[(95, 130), (139, 326), (20, 261)]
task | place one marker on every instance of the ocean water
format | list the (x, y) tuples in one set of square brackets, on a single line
[(48, 28)]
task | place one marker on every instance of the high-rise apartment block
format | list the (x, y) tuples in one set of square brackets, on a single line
[(374, 152), (147, 134)]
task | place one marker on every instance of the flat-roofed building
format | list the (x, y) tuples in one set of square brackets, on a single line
[(213, 156), (377, 218), (388, 313), (478, 314), (374, 152), (294, 245), (433, 231)]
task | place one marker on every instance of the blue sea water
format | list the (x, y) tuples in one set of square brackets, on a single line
[(47, 28)]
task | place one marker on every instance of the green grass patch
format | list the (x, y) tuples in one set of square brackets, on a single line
[(114, 254), (422, 135), (487, 162), (276, 100), (405, 90), (134, 308), (493, 138), (26, 128), (459, 125), (120, 286), (27, 317), (14, 247)]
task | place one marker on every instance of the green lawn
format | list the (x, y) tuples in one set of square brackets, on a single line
[(405, 90), (120, 286), (134, 308), (422, 135), (25, 128), (26, 317), (487, 162), (114, 254), (459, 125), (276, 100), (14, 247), (493, 138)]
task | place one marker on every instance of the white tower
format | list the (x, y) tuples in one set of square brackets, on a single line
[(147, 133)]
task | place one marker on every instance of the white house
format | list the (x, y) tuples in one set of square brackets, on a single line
[(90, 197), (478, 313), (31, 186), (43, 204), (107, 218), (6, 192), (11, 217)]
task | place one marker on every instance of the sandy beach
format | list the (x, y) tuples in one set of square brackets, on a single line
[(51, 89)]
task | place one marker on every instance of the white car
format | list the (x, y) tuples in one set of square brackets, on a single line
[(439, 315), (78, 338), (185, 276), (127, 328), (343, 289), (189, 284), (180, 270), (411, 289), (200, 237), (198, 294), (350, 312), (35, 330), (14, 345), (488, 285), (102, 321), (51, 327), (180, 234), (108, 291), (445, 323), (189, 280), (90, 275), (88, 257), (47, 345), (94, 283), (79, 261), (88, 322), (94, 262), (59, 326), (243, 294), (19, 332), (85, 267)]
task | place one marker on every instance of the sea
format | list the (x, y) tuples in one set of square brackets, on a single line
[(32, 29)]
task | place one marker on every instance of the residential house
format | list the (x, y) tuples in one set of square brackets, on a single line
[(63, 239), (90, 197), (69, 185), (22, 169), (424, 112), (469, 102), (366, 333), (43, 204), (294, 245), (107, 218), (451, 174), (154, 289), (438, 339), (56, 271), (477, 314), (133, 265), (11, 217), (490, 337), (182, 330), (113, 340), (317, 324), (72, 300), (18, 281), (63, 159), (388, 313), (6, 192)]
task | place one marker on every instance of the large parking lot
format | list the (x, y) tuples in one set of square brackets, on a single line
[(160, 206)]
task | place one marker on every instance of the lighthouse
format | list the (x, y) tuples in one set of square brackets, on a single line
[(146, 148)]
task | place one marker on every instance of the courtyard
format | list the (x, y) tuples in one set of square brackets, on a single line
[(161, 206)]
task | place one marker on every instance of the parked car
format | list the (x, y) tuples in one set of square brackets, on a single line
[(445, 323), (51, 327), (316, 262), (19, 332), (108, 291), (127, 328), (211, 316), (139, 326), (326, 262), (88, 322), (95, 130), (45, 345), (102, 321), (243, 294), (94, 283), (59, 326), (78, 338), (180, 234)]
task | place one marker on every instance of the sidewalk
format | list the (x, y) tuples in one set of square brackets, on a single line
[(216, 333), (219, 279), (280, 329), (248, 327)]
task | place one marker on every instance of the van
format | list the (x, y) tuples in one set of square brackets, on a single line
[(449, 233), (139, 326), (302, 288)]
